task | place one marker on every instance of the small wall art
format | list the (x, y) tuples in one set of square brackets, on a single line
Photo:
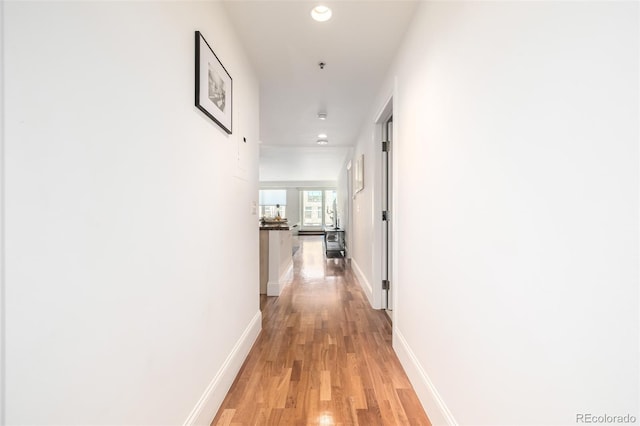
[(358, 175), (214, 85)]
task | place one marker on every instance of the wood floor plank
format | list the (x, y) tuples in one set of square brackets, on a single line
[(325, 385), (226, 416), (324, 357)]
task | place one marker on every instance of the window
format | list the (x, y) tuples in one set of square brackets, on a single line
[(269, 201), (312, 207), (314, 196), (318, 208)]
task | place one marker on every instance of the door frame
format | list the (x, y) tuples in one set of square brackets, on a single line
[(382, 118), (349, 224)]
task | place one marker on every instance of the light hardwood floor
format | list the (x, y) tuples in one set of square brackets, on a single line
[(324, 357)]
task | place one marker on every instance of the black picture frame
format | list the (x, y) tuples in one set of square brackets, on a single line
[(214, 85)]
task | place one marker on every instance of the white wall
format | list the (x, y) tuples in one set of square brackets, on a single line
[(131, 250), (516, 210), (293, 207), (342, 198), (302, 163), (367, 210)]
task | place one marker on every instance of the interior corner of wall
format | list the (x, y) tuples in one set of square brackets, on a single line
[(364, 283)]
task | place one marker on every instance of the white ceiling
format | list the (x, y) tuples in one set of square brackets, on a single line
[(285, 46)]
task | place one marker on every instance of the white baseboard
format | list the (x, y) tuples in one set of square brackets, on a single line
[(364, 283), (431, 400), (210, 401), (275, 288)]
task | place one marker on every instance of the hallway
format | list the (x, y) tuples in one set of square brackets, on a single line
[(324, 356)]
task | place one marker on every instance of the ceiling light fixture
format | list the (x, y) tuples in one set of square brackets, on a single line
[(322, 141), (321, 13), (322, 115), (322, 136)]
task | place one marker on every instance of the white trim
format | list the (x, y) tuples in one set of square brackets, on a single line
[(274, 288), (386, 110), (395, 212), (385, 113), (364, 283), (210, 401), (3, 281), (431, 400)]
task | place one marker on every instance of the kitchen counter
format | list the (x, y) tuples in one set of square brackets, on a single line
[(275, 227), (276, 260)]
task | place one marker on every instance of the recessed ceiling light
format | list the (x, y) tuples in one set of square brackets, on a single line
[(321, 13), (322, 142), (322, 136), (322, 115)]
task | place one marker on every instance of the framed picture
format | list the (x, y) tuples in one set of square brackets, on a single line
[(214, 86), (358, 175)]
